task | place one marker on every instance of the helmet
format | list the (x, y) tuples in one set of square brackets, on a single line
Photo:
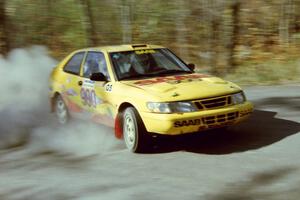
[(143, 59)]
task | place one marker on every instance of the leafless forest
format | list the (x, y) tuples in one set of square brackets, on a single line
[(218, 35)]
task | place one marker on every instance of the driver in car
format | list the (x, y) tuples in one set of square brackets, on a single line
[(140, 63)]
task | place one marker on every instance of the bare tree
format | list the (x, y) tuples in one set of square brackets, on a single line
[(236, 6), (215, 19), (126, 21), (4, 33), (181, 29), (90, 22), (50, 20), (286, 21)]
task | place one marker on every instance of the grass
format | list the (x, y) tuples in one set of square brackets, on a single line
[(267, 73)]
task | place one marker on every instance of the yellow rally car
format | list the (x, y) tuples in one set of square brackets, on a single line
[(140, 90)]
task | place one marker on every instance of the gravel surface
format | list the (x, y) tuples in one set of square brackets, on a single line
[(258, 159)]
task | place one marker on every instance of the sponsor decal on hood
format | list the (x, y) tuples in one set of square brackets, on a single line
[(173, 79)]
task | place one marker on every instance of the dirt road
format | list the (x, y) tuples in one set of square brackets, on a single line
[(259, 159)]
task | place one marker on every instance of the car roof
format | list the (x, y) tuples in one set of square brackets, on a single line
[(123, 47)]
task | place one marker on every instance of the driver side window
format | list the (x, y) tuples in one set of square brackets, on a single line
[(95, 62)]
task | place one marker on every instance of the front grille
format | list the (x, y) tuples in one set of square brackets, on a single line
[(212, 103), (220, 118)]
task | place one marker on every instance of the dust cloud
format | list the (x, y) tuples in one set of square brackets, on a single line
[(76, 139), (25, 119)]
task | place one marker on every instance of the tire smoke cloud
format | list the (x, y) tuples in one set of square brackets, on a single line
[(25, 118)]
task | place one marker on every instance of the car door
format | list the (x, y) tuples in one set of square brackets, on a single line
[(73, 83), (94, 93)]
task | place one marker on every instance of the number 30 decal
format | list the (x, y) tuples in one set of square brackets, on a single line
[(88, 97)]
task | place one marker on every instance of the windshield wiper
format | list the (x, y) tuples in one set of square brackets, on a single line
[(150, 75), (172, 71), (137, 76)]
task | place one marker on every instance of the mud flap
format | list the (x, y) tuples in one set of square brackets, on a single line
[(118, 126)]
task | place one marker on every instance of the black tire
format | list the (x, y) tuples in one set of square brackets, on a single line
[(135, 135), (61, 110)]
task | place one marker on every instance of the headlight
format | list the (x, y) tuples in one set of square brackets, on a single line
[(183, 107), (238, 98), (159, 107), (172, 107)]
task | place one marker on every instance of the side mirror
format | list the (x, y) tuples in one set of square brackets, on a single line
[(98, 77), (191, 66)]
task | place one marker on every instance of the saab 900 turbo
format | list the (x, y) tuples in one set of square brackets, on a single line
[(141, 90)]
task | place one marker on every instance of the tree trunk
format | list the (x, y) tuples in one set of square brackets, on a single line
[(214, 21), (181, 30), (126, 15), (50, 19), (4, 39), (286, 22), (215, 46), (235, 34), (90, 22)]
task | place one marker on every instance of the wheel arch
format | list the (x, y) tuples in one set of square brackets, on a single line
[(119, 119), (124, 105)]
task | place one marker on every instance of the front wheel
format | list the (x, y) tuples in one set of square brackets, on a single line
[(135, 134)]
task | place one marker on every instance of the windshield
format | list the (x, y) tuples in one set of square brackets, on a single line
[(147, 63)]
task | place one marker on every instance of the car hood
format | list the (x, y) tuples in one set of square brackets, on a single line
[(184, 87)]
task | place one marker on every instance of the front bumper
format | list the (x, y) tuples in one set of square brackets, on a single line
[(181, 123)]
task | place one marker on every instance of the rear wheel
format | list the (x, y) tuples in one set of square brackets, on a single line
[(135, 135), (61, 110)]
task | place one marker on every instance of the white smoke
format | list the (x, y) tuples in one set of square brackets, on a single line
[(76, 139), (24, 77), (24, 109)]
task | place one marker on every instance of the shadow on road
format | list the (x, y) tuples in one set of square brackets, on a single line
[(259, 186), (290, 102), (261, 129)]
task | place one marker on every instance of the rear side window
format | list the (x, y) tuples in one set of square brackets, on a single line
[(74, 64)]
